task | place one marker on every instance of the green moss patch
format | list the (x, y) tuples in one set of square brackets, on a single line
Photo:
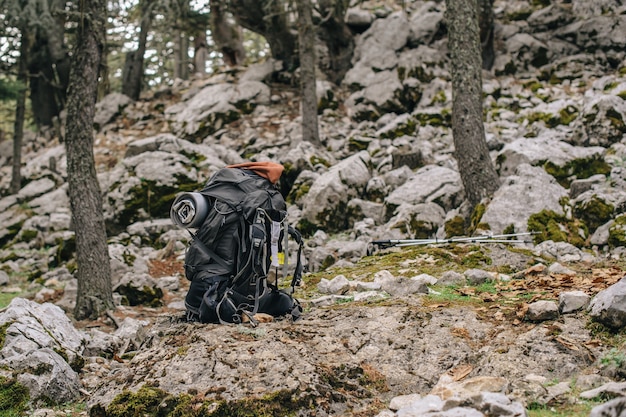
[(594, 212), (150, 296), (281, 403), (13, 397), (617, 232), (12, 231), (577, 169), (549, 225), (454, 227), (565, 117), (151, 401), (442, 119)]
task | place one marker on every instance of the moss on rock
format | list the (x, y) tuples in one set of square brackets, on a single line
[(151, 401), (152, 201), (577, 169), (150, 296), (13, 397), (594, 212), (617, 232), (549, 225)]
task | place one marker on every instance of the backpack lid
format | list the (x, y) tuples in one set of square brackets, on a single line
[(270, 170)]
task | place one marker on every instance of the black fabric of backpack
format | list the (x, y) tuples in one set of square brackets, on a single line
[(228, 259)]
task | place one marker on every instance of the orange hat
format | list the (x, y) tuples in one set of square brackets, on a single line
[(270, 170)]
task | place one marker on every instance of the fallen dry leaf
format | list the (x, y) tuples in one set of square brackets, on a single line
[(460, 332), (459, 372), (571, 345)]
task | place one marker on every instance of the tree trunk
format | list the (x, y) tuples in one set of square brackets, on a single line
[(132, 75), (201, 52), (49, 64), (486, 23), (181, 41), (269, 19), (94, 269), (477, 171), (337, 37), (308, 106), (227, 35), (20, 111)]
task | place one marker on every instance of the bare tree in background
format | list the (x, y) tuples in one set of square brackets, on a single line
[(94, 269), (132, 75), (20, 111), (477, 171), (337, 37), (226, 34), (308, 96), (486, 23), (269, 18), (49, 60)]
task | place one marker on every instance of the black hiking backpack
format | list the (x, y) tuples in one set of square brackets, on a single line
[(241, 230)]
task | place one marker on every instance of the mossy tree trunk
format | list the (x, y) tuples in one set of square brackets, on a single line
[(94, 269), (308, 95), (20, 110), (476, 168)]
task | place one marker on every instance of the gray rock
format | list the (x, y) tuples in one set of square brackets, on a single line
[(609, 306), (110, 106), (429, 184), (572, 301), (139, 289), (337, 285), (542, 310), (422, 219), (533, 151), (577, 187), (421, 406), (477, 276), (328, 196), (48, 377), (498, 404), (529, 191), (34, 334), (561, 251), (358, 18), (33, 326), (401, 286), (35, 189), (133, 332), (4, 278), (557, 268), (451, 278), (611, 389), (402, 401), (613, 408), (425, 24)]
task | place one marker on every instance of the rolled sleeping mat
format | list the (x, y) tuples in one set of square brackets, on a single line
[(189, 210)]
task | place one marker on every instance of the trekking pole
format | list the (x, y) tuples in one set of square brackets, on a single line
[(502, 238)]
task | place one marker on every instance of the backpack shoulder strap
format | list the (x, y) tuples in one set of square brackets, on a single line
[(209, 252), (297, 275)]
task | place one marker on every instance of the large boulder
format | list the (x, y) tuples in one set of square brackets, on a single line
[(326, 204), (529, 191), (43, 349), (609, 306)]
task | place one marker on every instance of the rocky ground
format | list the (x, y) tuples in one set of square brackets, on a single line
[(358, 352)]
